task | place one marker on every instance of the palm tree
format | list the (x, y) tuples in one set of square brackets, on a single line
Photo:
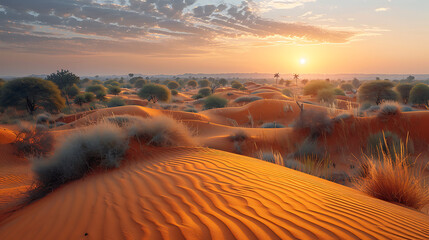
[(276, 76), (296, 77)]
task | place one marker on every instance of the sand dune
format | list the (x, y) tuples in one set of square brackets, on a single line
[(208, 194)]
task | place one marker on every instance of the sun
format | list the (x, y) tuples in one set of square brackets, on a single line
[(303, 61)]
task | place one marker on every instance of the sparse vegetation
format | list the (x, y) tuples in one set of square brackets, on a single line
[(247, 99), (116, 102), (34, 140), (313, 87), (377, 91), (389, 108), (317, 122), (215, 102), (419, 94), (155, 91)]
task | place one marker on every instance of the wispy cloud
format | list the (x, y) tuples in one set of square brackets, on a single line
[(383, 9), (145, 27)]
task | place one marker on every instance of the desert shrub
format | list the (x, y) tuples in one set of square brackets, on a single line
[(96, 89), (33, 140), (203, 83), (174, 92), (317, 122), (339, 92), (308, 148), (237, 85), (31, 94), (99, 147), (238, 139), (376, 92), (393, 180), (313, 87), (43, 118), (161, 92), (122, 120), (326, 95), (247, 99), (365, 106), (190, 109), (215, 102), (404, 90), (389, 109), (111, 82), (374, 108), (115, 90), (66, 82), (197, 96), (223, 81), (79, 99), (173, 85), (287, 92), (386, 142), (406, 109), (204, 92), (161, 131), (346, 87), (272, 125), (140, 83), (356, 83), (89, 97), (116, 102), (72, 91), (192, 83), (419, 94), (134, 79), (342, 117), (271, 156)]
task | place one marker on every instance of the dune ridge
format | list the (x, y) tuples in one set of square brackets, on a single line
[(199, 193)]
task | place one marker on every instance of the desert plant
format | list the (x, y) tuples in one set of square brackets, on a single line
[(174, 92), (394, 180), (33, 140), (223, 81), (317, 122), (326, 95), (313, 87), (386, 142), (190, 109), (339, 92), (215, 102), (287, 92), (419, 94), (72, 91), (272, 125), (271, 156), (346, 87), (204, 92), (65, 80), (247, 99), (116, 102), (404, 90), (173, 85), (98, 90), (161, 131), (151, 91), (365, 106), (135, 79), (43, 118), (99, 147), (236, 85), (192, 83), (389, 108), (203, 83), (31, 94), (238, 139), (79, 99), (115, 90), (376, 92)]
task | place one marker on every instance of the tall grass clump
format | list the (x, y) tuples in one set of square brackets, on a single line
[(161, 131), (271, 156), (397, 180), (389, 108), (386, 142), (101, 146), (116, 102), (238, 138), (317, 122)]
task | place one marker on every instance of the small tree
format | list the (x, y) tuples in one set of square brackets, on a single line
[(32, 93), (215, 102), (192, 83), (304, 81), (296, 78), (72, 91), (326, 95), (276, 76), (339, 92), (287, 83), (79, 99), (134, 80), (140, 83), (419, 94), (237, 85), (356, 83), (115, 90), (314, 86), (204, 92), (154, 92), (203, 83), (223, 82), (376, 92), (173, 85), (130, 75), (346, 87), (64, 80), (404, 90)]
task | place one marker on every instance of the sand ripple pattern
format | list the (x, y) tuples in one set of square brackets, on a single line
[(186, 193)]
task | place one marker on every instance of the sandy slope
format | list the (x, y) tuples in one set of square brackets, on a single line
[(208, 194)]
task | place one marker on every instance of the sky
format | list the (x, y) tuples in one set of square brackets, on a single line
[(103, 37)]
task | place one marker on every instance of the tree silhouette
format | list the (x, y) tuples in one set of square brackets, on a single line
[(296, 78), (276, 76), (64, 79)]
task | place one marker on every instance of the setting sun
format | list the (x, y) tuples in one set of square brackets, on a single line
[(303, 61)]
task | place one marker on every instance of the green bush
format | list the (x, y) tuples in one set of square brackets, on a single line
[(376, 92), (116, 102), (174, 92), (203, 83), (386, 142), (346, 87), (173, 85), (419, 94), (313, 87), (161, 92), (115, 90), (339, 92), (247, 99), (389, 109), (72, 91), (215, 102), (79, 99), (192, 83), (205, 92), (140, 83), (404, 90), (326, 95), (237, 85)]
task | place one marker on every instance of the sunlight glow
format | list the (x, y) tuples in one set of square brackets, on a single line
[(303, 61)]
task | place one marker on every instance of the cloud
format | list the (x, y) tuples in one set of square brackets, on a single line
[(382, 9), (153, 27)]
